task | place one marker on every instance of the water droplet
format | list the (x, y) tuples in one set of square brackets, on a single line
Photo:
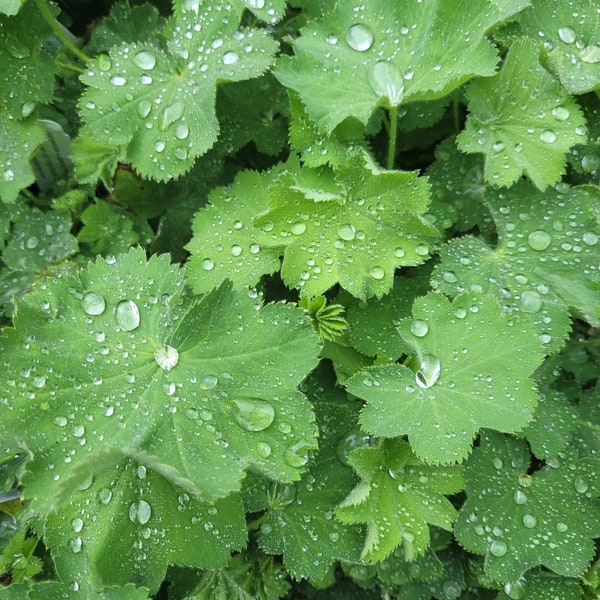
[(296, 456), (144, 60), (143, 108), (140, 511), (236, 250), (419, 328), (449, 277), (77, 525), (128, 315), (548, 136), (497, 462), (561, 527), (429, 371), (75, 544), (590, 163), (385, 80), (182, 131), (146, 79), (255, 4), (331, 39), (16, 48), (591, 239), (566, 34), (498, 147), (498, 548), (347, 232), (104, 496), (253, 414), (159, 146), (32, 242), (581, 485), (519, 497), (209, 382), (531, 301), (298, 228), (169, 388), (230, 58), (170, 114), (529, 521), (590, 55), (461, 313), (103, 61), (399, 252), (263, 449), (334, 536), (166, 357), (539, 240), (377, 273), (359, 37), (422, 250), (27, 108), (560, 113), (517, 590), (208, 264), (118, 80), (93, 303)]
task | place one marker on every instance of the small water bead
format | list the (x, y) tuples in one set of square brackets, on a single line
[(581, 485), (429, 371), (170, 114), (144, 60), (209, 382), (255, 4), (561, 527), (296, 456), (104, 496), (399, 253), (529, 521), (77, 525), (560, 113), (422, 250), (253, 414), (208, 264), (519, 497), (497, 462), (93, 304), (347, 232), (385, 80), (298, 228), (143, 108), (566, 34), (591, 239), (182, 131), (359, 37), (32, 242), (377, 273), (539, 240), (590, 55), (498, 147), (236, 250), (166, 357), (531, 302), (146, 79), (104, 63), (419, 328), (517, 590), (498, 548), (118, 80), (461, 313), (449, 277), (331, 39), (548, 136), (230, 58), (75, 545), (128, 315), (263, 449), (140, 512), (180, 153)]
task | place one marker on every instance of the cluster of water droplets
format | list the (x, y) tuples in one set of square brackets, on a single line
[(577, 49)]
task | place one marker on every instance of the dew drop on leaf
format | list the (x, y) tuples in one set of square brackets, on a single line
[(531, 301), (169, 389), (331, 39), (143, 108), (298, 228), (104, 63), (255, 4), (159, 146), (561, 527), (32, 242), (16, 48), (170, 114), (346, 232), (519, 497), (590, 55), (429, 371), (296, 456), (263, 449), (548, 136), (539, 240), (253, 414), (359, 37), (118, 80), (385, 80), (208, 264), (560, 113), (75, 545), (419, 328), (182, 131), (377, 273), (498, 548), (230, 58), (589, 238), (128, 315), (144, 60), (209, 382), (529, 521), (422, 250), (566, 34), (166, 357), (581, 485), (93, 303), (140, 512)]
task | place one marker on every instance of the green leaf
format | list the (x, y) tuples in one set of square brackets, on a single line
[(460, 384), (570, 34), (547, 247), (144, 367), (384, 54), (541, 585), (159, 524), (225, 242), (18, 141), (11, 7), (94, 161), (160, 103), (397, 497), (353, 226), (521, 121), (28, 70), (300, 522), (520, 520)]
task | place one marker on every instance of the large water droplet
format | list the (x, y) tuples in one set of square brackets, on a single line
[(166, 357), (347, 232), (255, 4), (118, 80), (429, 371), (519, 497), (548, 136), (144, 60), (104, 63), (298, 228), (566, 34), (581, 485), (32, 242), (182, 131), (386, 81), (143, 108), (419, 328), (296, 456), (93, 303), (104, 496), (128, 315), (230, 58), (16, 48), (498, 548), (140, 511), (531, 301), (529, 521), (170, 114), (253, 414), (359, 37), (590, 55), (263, 449), (590, 238), (209, 382), (560, 113), (539, 240)]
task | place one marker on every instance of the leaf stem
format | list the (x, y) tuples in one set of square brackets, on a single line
[(59, 32), (393, 132), (588, 425), (69, 67)]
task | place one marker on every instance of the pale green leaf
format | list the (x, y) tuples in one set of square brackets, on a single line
[(11, 7), (519, 520), (521, 121), (147, 368), (460, 383)]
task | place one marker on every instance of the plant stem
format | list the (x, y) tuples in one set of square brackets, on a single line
[(588, 425), (393, 132), (59, 32), (69, 67)]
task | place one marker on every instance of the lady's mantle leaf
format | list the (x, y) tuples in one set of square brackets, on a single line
[(521, 121), (472, 371), (547, 250), (397, 497), (117, 356), (387, 53), (161, 103), (519, 520)]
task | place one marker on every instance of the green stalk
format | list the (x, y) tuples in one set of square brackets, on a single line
[(59, 32), (393, 132)]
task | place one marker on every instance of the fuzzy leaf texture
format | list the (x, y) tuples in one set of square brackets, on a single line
[(160, 102), (460, 384), (519, 520), (397, 497), (384, 53), (171, 381), (522, 121)]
